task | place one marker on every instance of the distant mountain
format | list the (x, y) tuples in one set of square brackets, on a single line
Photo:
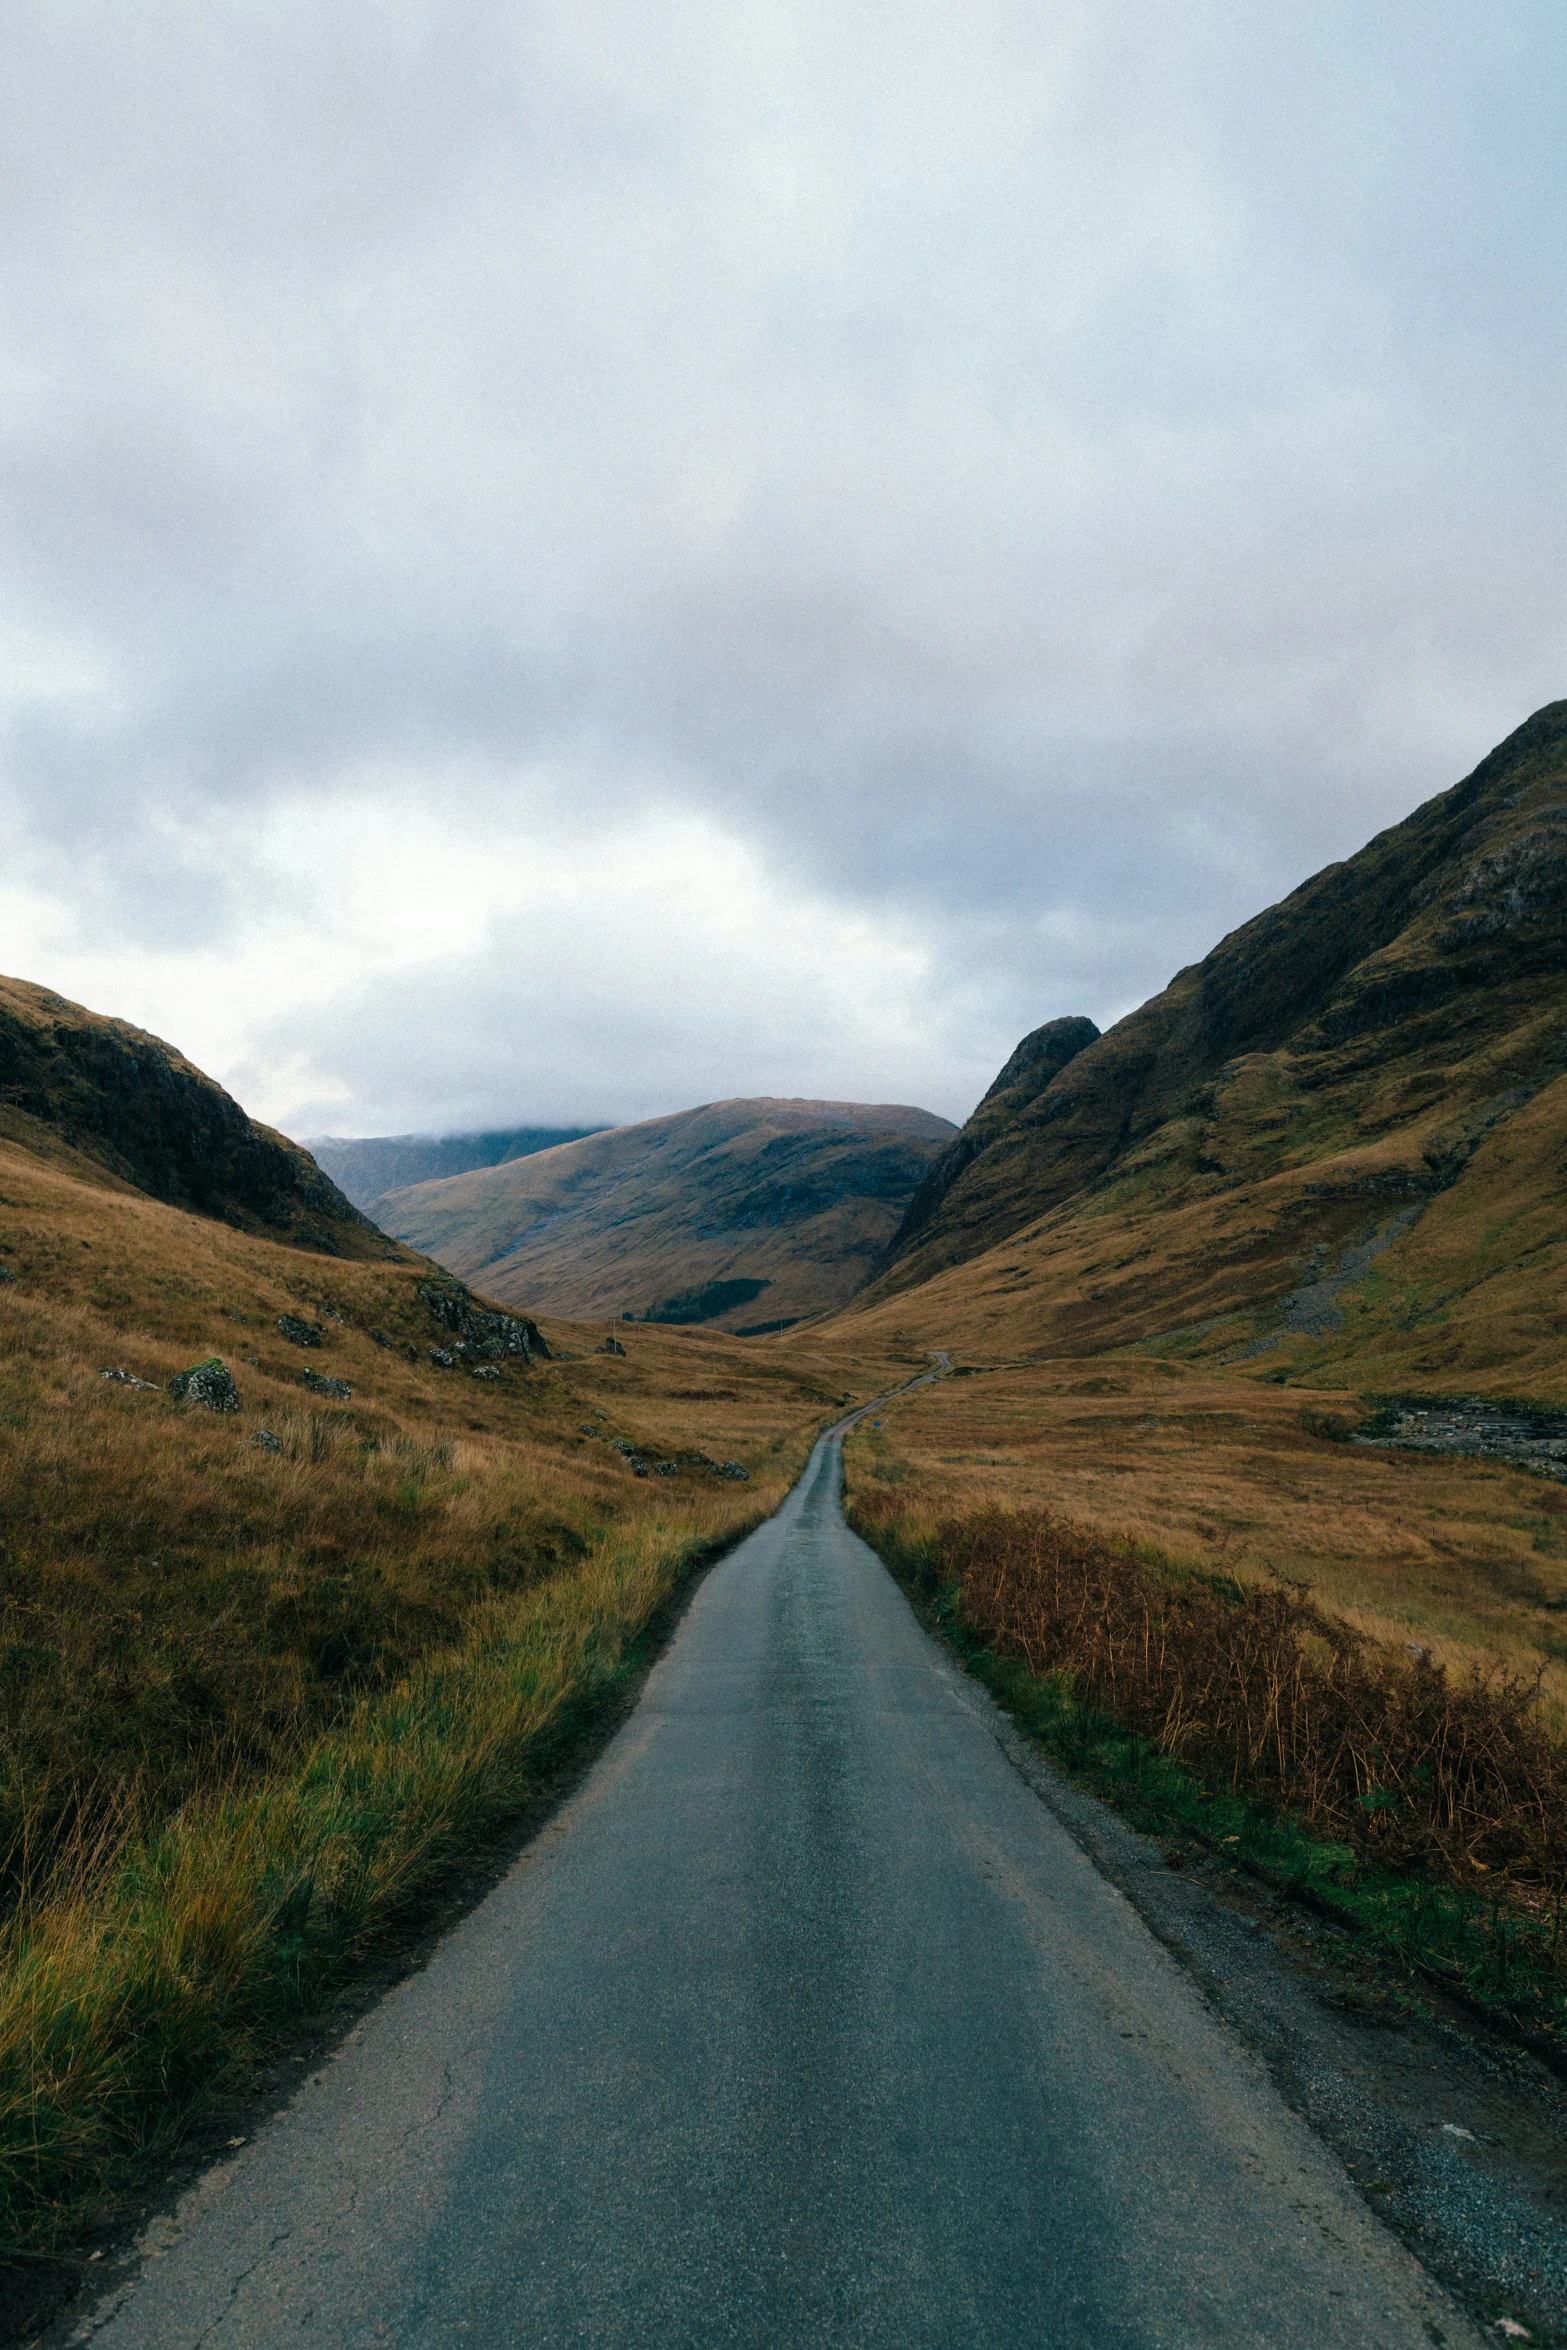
[(137, 1108), (740, 1215), (365, 1166), (1340, 1139)]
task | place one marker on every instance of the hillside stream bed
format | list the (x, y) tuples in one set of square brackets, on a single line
[(1496, 1431)]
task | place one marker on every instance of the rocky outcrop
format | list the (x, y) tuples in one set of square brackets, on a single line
[(478, 1331)]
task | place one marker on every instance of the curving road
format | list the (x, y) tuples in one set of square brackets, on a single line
[(804, 2023)]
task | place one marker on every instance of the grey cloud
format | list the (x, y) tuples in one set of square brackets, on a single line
[(1029, 474)]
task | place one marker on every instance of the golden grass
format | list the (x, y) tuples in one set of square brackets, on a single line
[(254, 1700), (1465, 1558), (1262, 1692), (129, 1991), (176, 1602)]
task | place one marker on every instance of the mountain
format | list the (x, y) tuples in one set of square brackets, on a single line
[(366, 1166), (1337, 1140), (741, 1215), (1041, 1055), (133, 1106)]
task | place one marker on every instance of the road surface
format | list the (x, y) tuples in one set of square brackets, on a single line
[(804, 2023)]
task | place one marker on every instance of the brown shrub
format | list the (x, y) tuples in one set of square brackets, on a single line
[(1262, 1692)]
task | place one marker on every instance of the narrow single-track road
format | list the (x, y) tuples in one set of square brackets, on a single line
[(804, 2023)]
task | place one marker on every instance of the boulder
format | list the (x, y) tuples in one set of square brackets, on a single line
[(209, 1383), (129, 1379), (508, 1337), (265, 1441), (611, 1346), (299, 1333), (337, 1389)]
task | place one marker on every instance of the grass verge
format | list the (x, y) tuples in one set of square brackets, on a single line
[(1499, 1949), (155, 1972)]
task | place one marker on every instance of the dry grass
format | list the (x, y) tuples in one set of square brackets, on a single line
[(177, 1604), (1263, 1694), (149, 1976), (254, 1701), (1471, 1296), (1465, 1558)]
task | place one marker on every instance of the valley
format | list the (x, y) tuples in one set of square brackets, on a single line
[(1262, 1291)]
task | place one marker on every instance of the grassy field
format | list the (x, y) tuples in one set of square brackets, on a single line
[(1464, 1558), (257, 1697)]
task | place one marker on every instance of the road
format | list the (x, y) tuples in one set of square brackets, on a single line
[(804, 2023)]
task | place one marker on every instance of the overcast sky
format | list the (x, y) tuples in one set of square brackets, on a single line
[(562, 561)]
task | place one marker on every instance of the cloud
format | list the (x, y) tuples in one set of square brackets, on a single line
[(957, 509)]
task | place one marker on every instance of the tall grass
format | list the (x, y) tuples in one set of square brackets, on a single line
[(1429, 1806), (153, 1970)]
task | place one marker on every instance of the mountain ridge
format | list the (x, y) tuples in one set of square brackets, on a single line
[(366, 1167), (126, 1102), (1320, 1151), (1374, 959), (789, 1201)]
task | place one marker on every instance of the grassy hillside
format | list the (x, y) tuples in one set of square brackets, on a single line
[(139, 1110), (1333, 1151), (739, 1215), (365, 1167), (266, 1672)]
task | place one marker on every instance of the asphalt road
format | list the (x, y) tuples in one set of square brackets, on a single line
[(804, 2023)]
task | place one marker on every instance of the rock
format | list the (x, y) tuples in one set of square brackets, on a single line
[(265, 1441), (611, 1346), (338, 1389), (485, 1371), (507, 1337), (731, 1469), (379, 1338), (668, 1469), (209, 1383), (6, 1273), (129, 1379), (443, 1359), (299, 1333)]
